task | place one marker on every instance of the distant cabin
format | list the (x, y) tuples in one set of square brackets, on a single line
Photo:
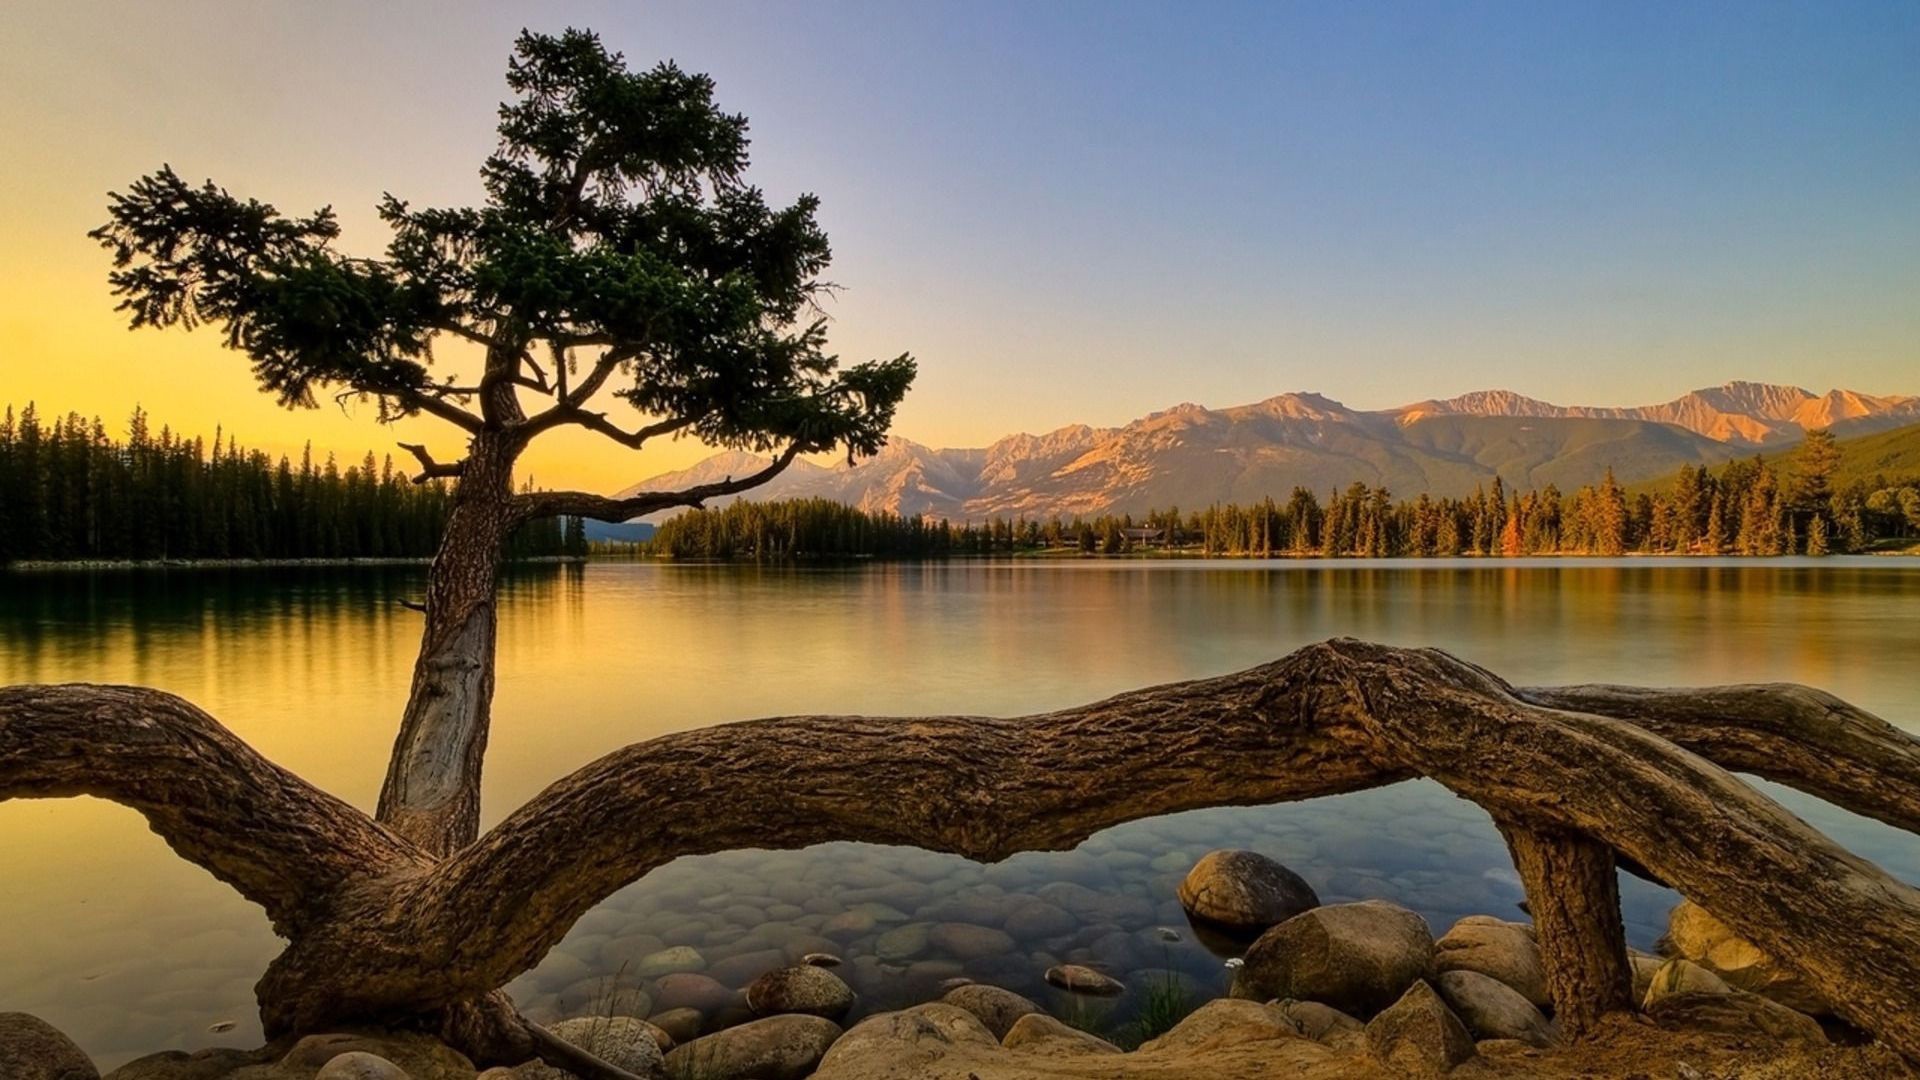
[(1145, 537)]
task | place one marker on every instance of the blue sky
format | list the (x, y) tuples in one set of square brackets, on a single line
[(1089, 211)]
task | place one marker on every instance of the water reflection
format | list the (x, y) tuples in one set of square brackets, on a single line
[(133, 950)]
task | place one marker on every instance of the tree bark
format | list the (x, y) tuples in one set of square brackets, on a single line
[(1573, 892), (380, 931), (431, 794)]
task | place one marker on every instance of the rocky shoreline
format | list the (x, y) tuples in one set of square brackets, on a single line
[(1357, 988)]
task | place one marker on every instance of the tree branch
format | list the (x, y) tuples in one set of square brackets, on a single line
[(432, 406), (279, 841), (540, 504), (429, 468)]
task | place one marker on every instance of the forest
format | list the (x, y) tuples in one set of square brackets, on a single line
[(1752, 506), (70, 491)]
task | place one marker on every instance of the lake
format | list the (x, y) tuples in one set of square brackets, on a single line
[(107, 935)]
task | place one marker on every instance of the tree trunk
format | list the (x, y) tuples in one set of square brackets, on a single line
[(381, 931), (431, 794), (1573, 892)]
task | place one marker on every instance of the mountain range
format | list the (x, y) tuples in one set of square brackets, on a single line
[(1190, 456)]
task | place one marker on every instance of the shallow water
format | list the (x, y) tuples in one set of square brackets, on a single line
[(106, 934)]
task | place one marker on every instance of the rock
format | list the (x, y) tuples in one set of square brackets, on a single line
[(690, 990), (32, 1049), (617, 1040), (822, 959), (908, 1043), (1682, 977), (420, 1057), (1501, 950), (681, 1025), (1076, 979), (775, 1048), (968, 941), (1037, 920), (1358, 957), (1736, 1012), (1244, 891), (902, 943), (746, 967), (849, 925), (1225, 1022), (814, 991), (669, 961), (1098, 907), (1493, 1010), (212, 1064), (1643, 965), (1694, 934), (1321, 1023), (1042, 1034), (995, 1008), (1418, 1035), (360, 1065)]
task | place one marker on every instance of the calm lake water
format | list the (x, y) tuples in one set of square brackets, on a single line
[(107, 935)]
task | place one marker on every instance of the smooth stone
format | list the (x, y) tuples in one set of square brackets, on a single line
[(1493, 1010), (32, 1049), (622, 1041), (1644, 965), (669, 962), (774, 1048), (1244, 891), (690, 990), (1359, 957), (803, 989), (1418, 1035), (1739, 1013), (822, 959), (1506, 951), (884, 914), (902, 943), (212, 1064), (681, 1025), (1225, 1022), (1693, 933), (1040, 1033), (1098, 907), (848, 925), (1036, 920), (421, 1057), (360, 1065), (1321, 1023), (995, 1007), (746, 967), (1078, 979), (909, 1043), (1682, 977), (977, 910), (968, 941)]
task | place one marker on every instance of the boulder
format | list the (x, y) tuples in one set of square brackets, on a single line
[(1643, 965), (1225, 1022), (618, 1040), (1321, 1023), (360, 1065), (1737, 1012), (968, 941), (1418, 1035), (775, 1048), (909, 1043), (1078, 979), (681, 1025), (1493, 1010), (1498, 949), (1694, 934), (419, 1056), (995, 1008), (804, 989), (1038, 1033), (1244, 891), (32, 1049), (1359, 957), (1682, 977)]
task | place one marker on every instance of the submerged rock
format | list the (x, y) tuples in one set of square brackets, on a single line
[(995, 1008), (1418, 1035), (1359, 957), (1244, 891), (32, 1049), (1079, 979), (804, 989)]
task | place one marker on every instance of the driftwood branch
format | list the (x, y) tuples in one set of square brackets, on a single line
[(395, 933)]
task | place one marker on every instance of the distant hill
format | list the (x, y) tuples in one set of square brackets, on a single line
[(632, 532), (1190, 456), (1892, 455)]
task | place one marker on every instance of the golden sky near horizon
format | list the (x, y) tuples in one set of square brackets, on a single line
[(1381, 210)]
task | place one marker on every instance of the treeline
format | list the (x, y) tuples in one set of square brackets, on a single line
[(69, 490), (1750, 507)]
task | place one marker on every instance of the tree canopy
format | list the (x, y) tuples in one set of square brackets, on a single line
[(619, 246)]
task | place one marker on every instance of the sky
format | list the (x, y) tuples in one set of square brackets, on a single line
[(1068, 212)]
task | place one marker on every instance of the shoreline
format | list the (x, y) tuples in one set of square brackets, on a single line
[(38, 566)]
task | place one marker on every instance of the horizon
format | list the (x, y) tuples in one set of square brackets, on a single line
[(1386, 204)]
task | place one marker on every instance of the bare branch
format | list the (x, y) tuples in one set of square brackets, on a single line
[(433, 406), (429, 468), (540, 504)]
